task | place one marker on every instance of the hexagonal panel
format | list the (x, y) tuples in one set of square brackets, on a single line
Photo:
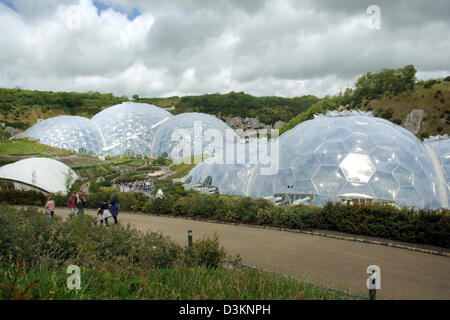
[(328, 180), (383, 159), (359, 143), (408, 196), (357, 167), (305, 167), (384, 185), (403, 176), (356, 190), (331, 153)]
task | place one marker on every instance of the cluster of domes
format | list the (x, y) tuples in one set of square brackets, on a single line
[(130, 129), (343, 156)]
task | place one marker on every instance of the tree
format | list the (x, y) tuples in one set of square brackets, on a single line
[(69, 179)]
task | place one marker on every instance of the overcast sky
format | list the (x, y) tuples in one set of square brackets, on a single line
[(181, 47)]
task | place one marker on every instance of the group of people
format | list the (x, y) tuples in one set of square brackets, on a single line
[(106, 211), (145, 186), (78, 201)]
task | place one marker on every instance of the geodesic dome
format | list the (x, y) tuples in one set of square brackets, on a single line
[(67, 132), (129, 127), (351, 156), (42, 173), (190, 134), (230, 171)]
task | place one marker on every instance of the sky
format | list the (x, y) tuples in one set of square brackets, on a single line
[(157, 48)]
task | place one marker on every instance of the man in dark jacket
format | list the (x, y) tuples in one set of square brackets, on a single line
[(114, 208), (102, 214)]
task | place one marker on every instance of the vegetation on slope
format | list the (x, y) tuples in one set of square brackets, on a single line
[(391, 94), (22, 108), (123, 263)]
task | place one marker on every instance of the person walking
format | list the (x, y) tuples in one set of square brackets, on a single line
[(50, 207), (81, 203), (103, 215), (114, 208), (72, 204)]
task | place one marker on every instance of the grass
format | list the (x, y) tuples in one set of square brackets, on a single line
[(23, 147), (49, 283), (435, 109), (181, 170)]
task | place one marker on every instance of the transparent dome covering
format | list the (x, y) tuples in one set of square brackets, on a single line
[(67, 132), (130, 127), (351, 156), (189, 134), (441, 149), (230, 179)]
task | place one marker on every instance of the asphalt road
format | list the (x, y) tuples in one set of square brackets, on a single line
[(332, 262)]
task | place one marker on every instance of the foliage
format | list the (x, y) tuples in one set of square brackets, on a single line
[(123, 263), (267, 109)]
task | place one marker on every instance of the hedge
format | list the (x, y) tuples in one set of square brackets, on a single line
[(376, 220)]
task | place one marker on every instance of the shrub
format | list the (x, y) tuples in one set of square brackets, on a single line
[(33, 198), (206, 252)]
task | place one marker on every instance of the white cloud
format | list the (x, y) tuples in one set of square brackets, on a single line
[(281, 47)]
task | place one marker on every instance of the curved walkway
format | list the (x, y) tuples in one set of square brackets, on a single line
[(331, 262)]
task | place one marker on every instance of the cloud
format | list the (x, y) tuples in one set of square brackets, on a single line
[(179, 47)]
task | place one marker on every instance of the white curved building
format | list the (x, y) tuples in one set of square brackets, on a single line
[(43, 174)]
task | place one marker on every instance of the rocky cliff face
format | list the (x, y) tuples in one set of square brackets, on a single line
[(250, 123)]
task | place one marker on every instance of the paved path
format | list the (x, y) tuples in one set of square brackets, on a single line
[(335, 263)]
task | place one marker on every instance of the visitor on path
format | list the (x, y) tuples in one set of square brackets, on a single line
[(50, 207), (103, 213), (72, 204), (81, 203), (114, 208)]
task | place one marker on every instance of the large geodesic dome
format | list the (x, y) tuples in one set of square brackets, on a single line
[(67, 132), (130, 127), (190, 134), (351, 156)]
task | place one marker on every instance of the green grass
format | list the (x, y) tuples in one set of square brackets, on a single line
[(28, 148), (49, 283), (181, 170)]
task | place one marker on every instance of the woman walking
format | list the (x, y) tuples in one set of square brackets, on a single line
[(50, 207)]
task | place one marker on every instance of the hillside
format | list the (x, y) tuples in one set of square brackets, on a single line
[(434, 101), (390, 94)]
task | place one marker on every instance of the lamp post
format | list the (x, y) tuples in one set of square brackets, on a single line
[(190, 238)]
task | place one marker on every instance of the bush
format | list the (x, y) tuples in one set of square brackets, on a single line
[(18, 197), (206, 252), (34, 238)]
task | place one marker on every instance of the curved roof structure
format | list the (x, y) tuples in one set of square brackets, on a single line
[(190, 134), (67, 132), (352, 156), (441, 150), (46, 174), (130, 126)]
